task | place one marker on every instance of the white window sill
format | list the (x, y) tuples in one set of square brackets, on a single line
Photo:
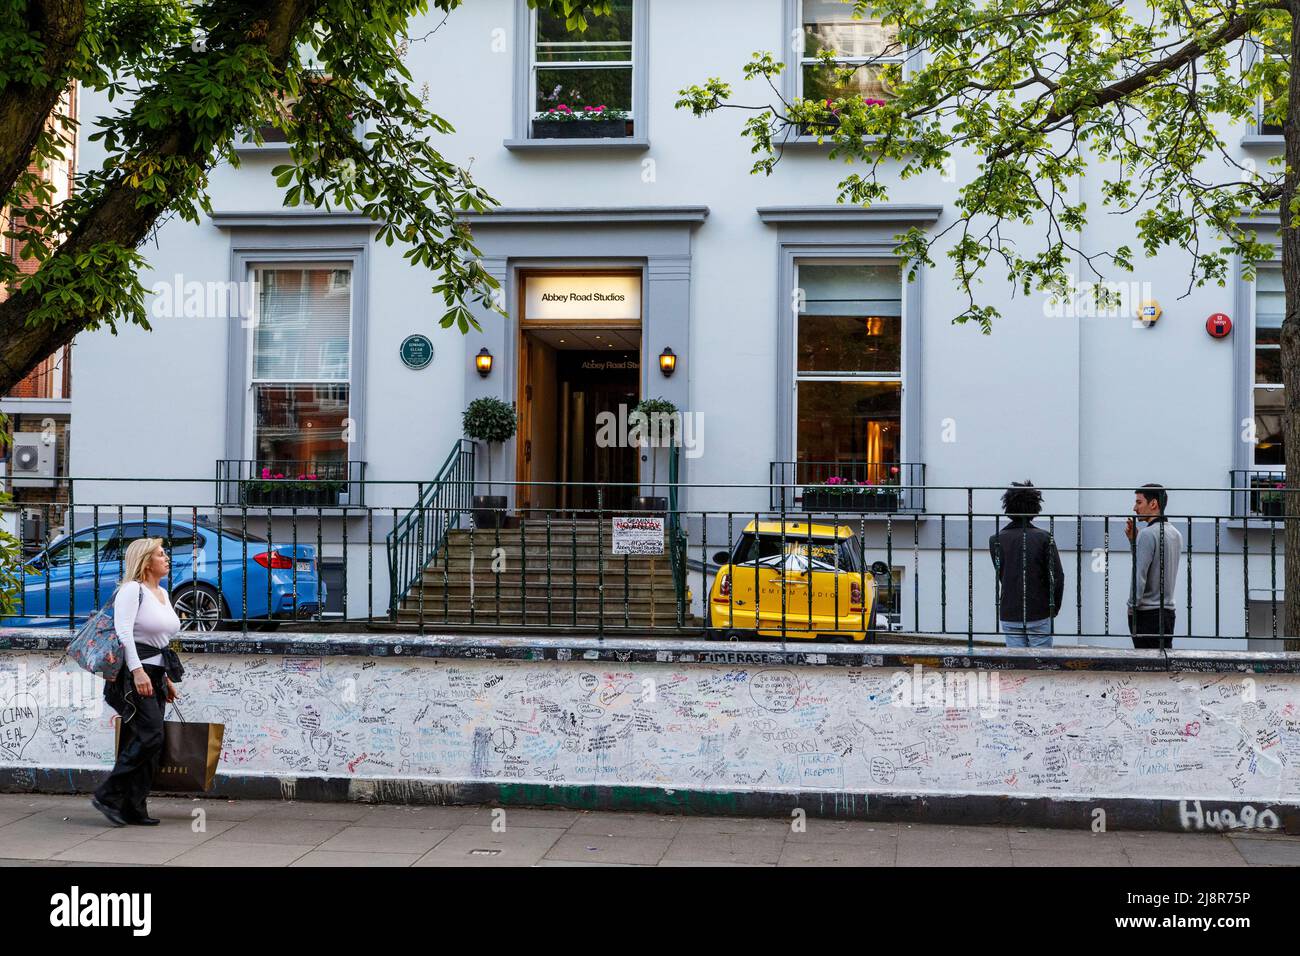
[(616, 144), (268, 148), (804, 142), (1263, 139)]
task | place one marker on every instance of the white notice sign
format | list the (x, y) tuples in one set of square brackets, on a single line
[(638, 534)]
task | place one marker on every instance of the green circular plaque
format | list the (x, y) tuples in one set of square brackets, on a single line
[(416, 351)]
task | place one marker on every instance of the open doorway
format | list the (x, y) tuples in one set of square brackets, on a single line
[(573, 381)]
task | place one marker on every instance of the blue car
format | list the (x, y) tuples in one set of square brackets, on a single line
[(217, 576)]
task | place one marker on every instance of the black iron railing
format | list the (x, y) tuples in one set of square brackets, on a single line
[(428, 565), (422, 531), (291, 483), (847, 487)]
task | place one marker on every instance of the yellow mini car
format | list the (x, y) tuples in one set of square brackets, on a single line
[(796, 579)]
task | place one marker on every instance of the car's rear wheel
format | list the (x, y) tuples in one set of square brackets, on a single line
[(199, 607)]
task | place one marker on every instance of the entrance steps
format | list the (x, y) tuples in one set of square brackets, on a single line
[(538, 573)]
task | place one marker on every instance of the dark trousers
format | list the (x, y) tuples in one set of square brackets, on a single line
[(1152, 628), (127, 786)]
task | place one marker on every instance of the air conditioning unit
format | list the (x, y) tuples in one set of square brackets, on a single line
[(33, 529), (31, 461)]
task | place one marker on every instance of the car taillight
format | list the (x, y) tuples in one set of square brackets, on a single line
[(855, 597), (724, 587), (273, 559)]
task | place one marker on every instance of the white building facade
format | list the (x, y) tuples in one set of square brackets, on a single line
[(796, 336)]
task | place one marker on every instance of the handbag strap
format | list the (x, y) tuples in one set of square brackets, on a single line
[(178, 711)]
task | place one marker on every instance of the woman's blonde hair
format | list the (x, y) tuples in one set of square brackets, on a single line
[(138, 555)]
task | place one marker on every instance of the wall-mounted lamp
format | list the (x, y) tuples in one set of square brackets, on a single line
[(667, 362), (483, 362)]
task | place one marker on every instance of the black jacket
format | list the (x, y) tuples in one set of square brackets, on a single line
[(1029, 572)]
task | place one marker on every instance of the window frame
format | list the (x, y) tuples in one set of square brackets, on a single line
[(525, 94), (1251, 385), (792, 75), (245, 143), (252, 381), (314, 240), (1266, 226), (868, 377), (1255, 135), (823, 231)]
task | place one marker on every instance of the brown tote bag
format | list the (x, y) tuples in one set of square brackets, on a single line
[(189, 756)]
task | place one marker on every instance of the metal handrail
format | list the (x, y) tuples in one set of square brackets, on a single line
[(677, 542), (409, 531)]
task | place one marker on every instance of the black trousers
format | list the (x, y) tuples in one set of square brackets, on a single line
[(127, 787), (1152, 627)]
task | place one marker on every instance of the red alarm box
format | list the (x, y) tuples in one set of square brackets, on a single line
[(1218, 325)]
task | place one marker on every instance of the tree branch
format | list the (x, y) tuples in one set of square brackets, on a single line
[(25, 107), (124, 213), (1234, 29)]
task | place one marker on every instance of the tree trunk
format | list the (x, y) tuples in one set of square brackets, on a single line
[(124, 215), (1291, 349)]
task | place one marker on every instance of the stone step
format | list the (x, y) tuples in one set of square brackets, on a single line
[(538, 617), (558, 557), (537, 577)]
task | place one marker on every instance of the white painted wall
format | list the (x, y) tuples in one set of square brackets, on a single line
[(1064, 401), (707, 727)]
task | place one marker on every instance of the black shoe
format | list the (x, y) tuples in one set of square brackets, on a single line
[(142, 821), (113, 814)]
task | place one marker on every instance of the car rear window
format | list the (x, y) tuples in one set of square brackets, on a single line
[(762, 547)]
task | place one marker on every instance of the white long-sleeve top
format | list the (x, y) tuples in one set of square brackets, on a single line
[(143, 618)]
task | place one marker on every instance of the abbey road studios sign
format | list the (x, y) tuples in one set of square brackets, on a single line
[(582, 298), (416, 351)]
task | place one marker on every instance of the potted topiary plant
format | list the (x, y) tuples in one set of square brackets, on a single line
[(659, 421), (490, 420)]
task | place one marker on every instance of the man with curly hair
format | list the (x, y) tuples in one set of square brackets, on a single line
[(1031, 580)]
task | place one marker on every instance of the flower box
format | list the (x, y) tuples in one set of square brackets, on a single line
[(582, 129), (303, 491), (831, 500)]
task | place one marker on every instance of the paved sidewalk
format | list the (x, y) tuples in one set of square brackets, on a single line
[(39, 830)]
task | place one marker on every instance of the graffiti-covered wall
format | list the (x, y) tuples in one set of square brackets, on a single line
[(702, 726)]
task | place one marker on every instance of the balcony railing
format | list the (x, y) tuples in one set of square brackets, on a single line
[(1258, 493), (290, 484), (848, 487)]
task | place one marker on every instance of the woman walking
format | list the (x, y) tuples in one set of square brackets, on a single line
[(145, 624)]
